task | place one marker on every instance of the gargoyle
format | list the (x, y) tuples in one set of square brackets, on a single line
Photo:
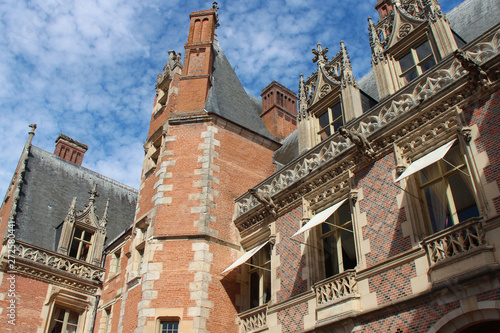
[(477, 74), (265, 199), (359, 140)]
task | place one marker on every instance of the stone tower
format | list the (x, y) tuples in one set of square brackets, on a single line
[(204, 139)]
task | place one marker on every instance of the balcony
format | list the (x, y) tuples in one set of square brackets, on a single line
[(337, 296), (253, 320), (458, 250)]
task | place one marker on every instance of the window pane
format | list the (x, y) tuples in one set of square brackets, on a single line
[(325, 134), (463, 198), (437, 206), (427, 64), (254, 289), (423, 50), (87, 236), (336, 111), (169, 327), (408, 77), (324, 120), (331, 264), (78, 233), (406, 62), (73, 252)]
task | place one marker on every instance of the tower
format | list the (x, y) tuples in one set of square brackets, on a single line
[(204, 139)]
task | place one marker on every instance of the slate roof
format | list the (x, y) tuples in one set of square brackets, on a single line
[(228, 99), (49, 185)]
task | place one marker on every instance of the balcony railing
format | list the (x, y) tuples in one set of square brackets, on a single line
[(58, 261), (338, 286), (253, 320), (453, 241)]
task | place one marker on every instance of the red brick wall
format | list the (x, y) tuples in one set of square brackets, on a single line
[(486, 115), (29, 300), (383, 229)]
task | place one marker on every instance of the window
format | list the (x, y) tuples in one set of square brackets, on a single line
[(416, 62), (80, 244), (260, 277), (447, 191), (64, 320), (169, 327), (140, 253), (337, 242), (330, 121)]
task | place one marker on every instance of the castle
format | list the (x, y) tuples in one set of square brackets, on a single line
[(367, 205)]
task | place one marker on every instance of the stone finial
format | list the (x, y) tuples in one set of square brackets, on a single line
[(93, 193), (320, 54), (215, 7)]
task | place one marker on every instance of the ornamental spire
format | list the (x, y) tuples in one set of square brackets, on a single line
[(320, 54)]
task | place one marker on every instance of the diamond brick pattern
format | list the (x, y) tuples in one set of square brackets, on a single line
[(416, 319), (292, 319), (383, 229), (486, 115), (393, 284), (292, 262)]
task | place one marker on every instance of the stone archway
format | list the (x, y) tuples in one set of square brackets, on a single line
[(490, 326), (484, 319)]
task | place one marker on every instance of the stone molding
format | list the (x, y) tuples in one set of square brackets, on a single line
[(55, 268)]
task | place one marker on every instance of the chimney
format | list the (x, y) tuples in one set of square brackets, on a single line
[(384, 7), (69, 149), (279, 110), (197, 69)]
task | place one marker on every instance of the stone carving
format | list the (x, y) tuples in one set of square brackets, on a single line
[(320, 54), (404, 30), (255, 320), (338, 286), (359, 140), (265, 199), (385, 113), (477, 74), (58, 261), (458, 239)]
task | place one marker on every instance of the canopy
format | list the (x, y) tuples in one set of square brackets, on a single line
[(320, 217), (245, 257), (427, 160)]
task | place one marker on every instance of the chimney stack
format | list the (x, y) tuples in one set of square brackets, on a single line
[(279, 110), (69, 149)]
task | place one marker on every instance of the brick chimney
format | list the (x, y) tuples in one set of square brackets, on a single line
[(383, 7), (69, 149), (279, 110), (197, 69)]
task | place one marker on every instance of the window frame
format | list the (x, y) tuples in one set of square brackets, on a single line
[(261, 266), (333, 123), (335, 235), (444, 176), (417, 63), (67, 311), (85, 229), (168, 320)]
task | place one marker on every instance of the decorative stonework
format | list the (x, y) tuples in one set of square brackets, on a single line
[(327, 152), (336, 287), (57, 261), (253, 320), (454, 241)]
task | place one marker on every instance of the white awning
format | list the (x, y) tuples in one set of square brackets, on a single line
[(427, 160), (320, 217), (245, 257)]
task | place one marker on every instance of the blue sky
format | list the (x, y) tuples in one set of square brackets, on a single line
[(88, 68)]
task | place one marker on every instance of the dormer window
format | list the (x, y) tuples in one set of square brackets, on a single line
[(416, 61), (330, 121), (81, 244)]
